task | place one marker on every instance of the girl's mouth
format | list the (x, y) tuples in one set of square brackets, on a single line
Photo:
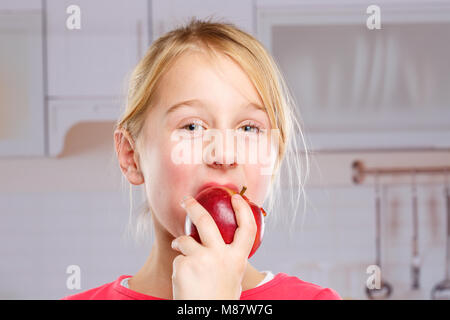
[(215, 184)]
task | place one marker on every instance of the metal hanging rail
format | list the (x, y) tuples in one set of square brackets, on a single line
[(360, 171)]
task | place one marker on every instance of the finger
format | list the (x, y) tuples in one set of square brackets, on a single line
[(176, 263), (206, 226), (244, 237), (186, 245)]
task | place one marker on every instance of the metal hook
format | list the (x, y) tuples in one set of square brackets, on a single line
[(415, 264)]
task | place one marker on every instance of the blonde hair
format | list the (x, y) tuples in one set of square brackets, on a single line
[(212, 37)]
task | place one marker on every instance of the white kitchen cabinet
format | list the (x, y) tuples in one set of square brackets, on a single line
[(93, 61), (14, 5), (22, 113), (64, 114), (169, 14), (361, 89), (88, 68)]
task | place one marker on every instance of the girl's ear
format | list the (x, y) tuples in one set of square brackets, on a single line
[(126, 154)]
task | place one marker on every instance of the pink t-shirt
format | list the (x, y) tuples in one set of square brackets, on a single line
[(281, 287)]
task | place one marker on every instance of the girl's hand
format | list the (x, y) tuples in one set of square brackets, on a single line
[(213, 269)]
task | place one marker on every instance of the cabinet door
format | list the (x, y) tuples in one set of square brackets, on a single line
[(171, 13), (93, 61), (21, 83)]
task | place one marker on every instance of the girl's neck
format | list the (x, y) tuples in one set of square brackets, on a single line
[(155, 276)]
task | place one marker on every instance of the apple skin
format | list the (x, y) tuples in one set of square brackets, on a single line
[(217, 201)]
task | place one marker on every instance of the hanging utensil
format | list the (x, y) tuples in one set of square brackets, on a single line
[(385, 289), (415, 262), (441, 290)]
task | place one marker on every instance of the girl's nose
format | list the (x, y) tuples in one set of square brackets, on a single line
[(221, 152), (223, 157), (217, 165)]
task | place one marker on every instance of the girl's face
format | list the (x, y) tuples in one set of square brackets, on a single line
[(226, 101)]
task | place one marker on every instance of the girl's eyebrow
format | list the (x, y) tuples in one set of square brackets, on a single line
[(197, 103), (192, 103)]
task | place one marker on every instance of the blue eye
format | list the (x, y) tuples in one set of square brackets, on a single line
[(250, 127), (192, 126)]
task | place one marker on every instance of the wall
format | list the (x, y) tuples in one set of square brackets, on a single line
[(65, 211)]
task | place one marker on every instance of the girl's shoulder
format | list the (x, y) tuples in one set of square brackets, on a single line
[(108, 291), (286, 287)]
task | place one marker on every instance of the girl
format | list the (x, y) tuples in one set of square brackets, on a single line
[(203, 76)]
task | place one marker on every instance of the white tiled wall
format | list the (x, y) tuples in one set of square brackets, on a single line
[(337, 242), (43, 233)]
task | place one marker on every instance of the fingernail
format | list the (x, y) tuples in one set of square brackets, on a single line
[(237, 196), (183, 201), (174, 244)]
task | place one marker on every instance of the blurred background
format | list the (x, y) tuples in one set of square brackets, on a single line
[(380, 96)]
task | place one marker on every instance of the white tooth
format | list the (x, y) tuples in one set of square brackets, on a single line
[(187, 226)]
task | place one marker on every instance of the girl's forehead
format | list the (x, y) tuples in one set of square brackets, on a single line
[(196, 75), (193, 64)]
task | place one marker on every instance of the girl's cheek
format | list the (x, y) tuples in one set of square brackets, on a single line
[(172, 172), (179, 175), (257, 184), (181, 150), (168, 189)]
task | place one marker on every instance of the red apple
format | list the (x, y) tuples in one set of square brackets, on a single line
[(217, 201)]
